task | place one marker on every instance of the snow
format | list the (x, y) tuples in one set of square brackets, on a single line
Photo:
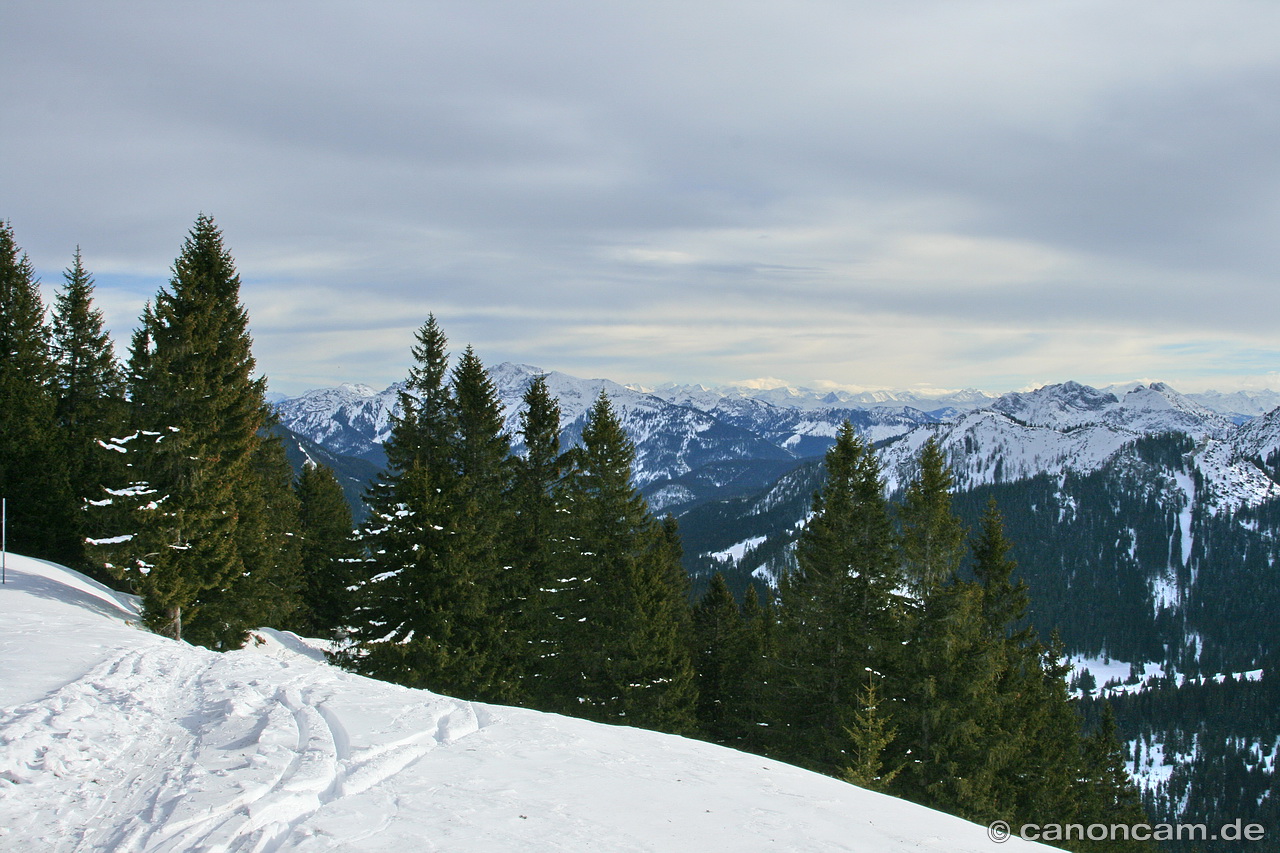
[(1233, 481), (1155, 768), (734, 553), (1188, 487), (112, 738)]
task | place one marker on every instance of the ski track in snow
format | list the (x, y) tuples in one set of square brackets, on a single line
[(245, 763)]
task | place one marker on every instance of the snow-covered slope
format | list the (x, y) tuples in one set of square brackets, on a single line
[(1072, 427), (115, 739), (1260, 438)]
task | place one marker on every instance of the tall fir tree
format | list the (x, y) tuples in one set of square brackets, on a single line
[(842, 613), (480, 451), (947, 736), (759, 623), (1110, 796), (398, 630), (626, 657), (196, 412), (33, 473), (434, 611), (933, 538), (537, 542), (90, 386)]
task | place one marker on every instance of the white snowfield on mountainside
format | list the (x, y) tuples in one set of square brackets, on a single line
[(112, 738)]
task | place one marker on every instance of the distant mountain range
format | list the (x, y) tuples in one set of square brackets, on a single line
[(697, 443)]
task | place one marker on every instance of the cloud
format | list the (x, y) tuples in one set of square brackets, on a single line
[(873, 194)]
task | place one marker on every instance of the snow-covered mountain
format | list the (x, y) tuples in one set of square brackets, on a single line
[(1072, 427), (695, 443), (1143, 409), (674, 437), (112, 738), (1239, 406), (794, 397), (353, 420)]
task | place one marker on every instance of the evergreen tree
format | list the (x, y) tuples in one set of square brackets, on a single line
[(1032, 731), (1110, 796), (329, 550), (196, 412), (270, 592), (480, 451), (33, 475), (435, 609), (1004, 601), (423, 426), (933, 538), (1042, 763), (841, 612), (401, 624), (950, 723), (758, 622), (625, 658), (668, 702), (869, 737), (728, 655), (537, 542), (719, 660), (948, 734), (90, 389)]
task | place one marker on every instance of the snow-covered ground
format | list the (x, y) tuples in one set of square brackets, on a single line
[(112, 738)]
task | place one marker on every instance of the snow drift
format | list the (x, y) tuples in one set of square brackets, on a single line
[(112, 738)]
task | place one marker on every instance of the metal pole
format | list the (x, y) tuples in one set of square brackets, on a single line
[(4, 537)]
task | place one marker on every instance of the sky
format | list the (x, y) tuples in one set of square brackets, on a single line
[(915, 194)]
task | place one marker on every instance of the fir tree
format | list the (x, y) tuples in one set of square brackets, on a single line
[(669, 699), (1031, 730), (33, 476), (1004, 601), (948, 683), (269, 592), (758, 623), (625, 658), (727, 652), (434, 611), (329, 550), (869, 737), (841, 613), (933, 539), (90, 388), (400, 627), (196, 412), (480, 451), (1110, 796), (951, 725), (537, 541)]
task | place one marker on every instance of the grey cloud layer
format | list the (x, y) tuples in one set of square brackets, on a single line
[(868, 193)]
